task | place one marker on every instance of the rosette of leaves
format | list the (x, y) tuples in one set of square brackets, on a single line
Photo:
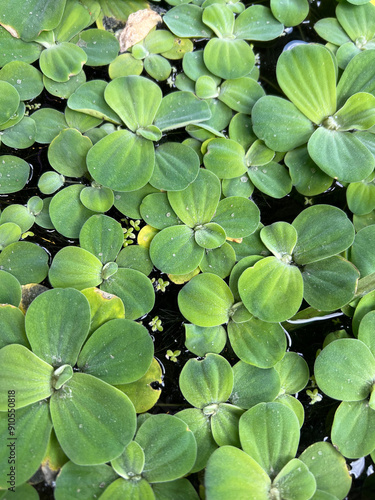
[(208, 302), (126, 160), (151, 467), (151, 54), (350, 32), (55, 30), (305, 264), (320, 114), (266, 466), (93, 420), (229, 161), (238, 94), (227, 54), (98, 261), (24, 216), (194, 220)]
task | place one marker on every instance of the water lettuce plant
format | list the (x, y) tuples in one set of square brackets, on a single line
[(205, 196)]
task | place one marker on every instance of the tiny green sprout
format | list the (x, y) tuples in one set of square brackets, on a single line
[(135, 224), (160, 284), (26, 234), (172, 355), (315, 396), (155, 324), (127, 242), (308, 201)]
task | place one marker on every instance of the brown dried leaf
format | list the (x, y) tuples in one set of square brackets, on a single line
[(138, 26)]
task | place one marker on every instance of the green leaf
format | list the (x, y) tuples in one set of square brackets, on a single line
[(143, 98), (14, 173), (264, 286), (307, 75), (206, 300), (257, 23), (122, 161), (49, 123), (10, 289), (157, 67), (133, 490), (199, 424), (238, 216), (293, 372), (269, 433), (280, 124), (67, 212), (357, 77), (257, 343), (202, 340), (31, 434), (280, 238), (228, 58), (357, 113), (186, 21), (253, 385), (219, 261), (134, 289), (97, 198), (179, 109), (198, 202), (330, 283), (330, 29), (60, 62), (118, 352), (176, 166), (241, 94), (210, 235), (358, 22), (101, 46), (64, 89), (75, 267), (57, 323), (67, 153), (224, 423), (156, 210), (130, 462), (92, 482), (293, 404), (295, 481), (26, 374), (9, 101), (28, 26), (329, 469), (142, 393), (103, 307), (323, 231), (225, 158), (21, 135), (15, 49), (166, 432), (175, 251), (291, 13), (89, 98), (26, 261), (306, 176), (172, 490), (220, 19), (93, 421), (207, 382), (345, 370), (102, 236), (26, 79), (231, 472), (353, 429)]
